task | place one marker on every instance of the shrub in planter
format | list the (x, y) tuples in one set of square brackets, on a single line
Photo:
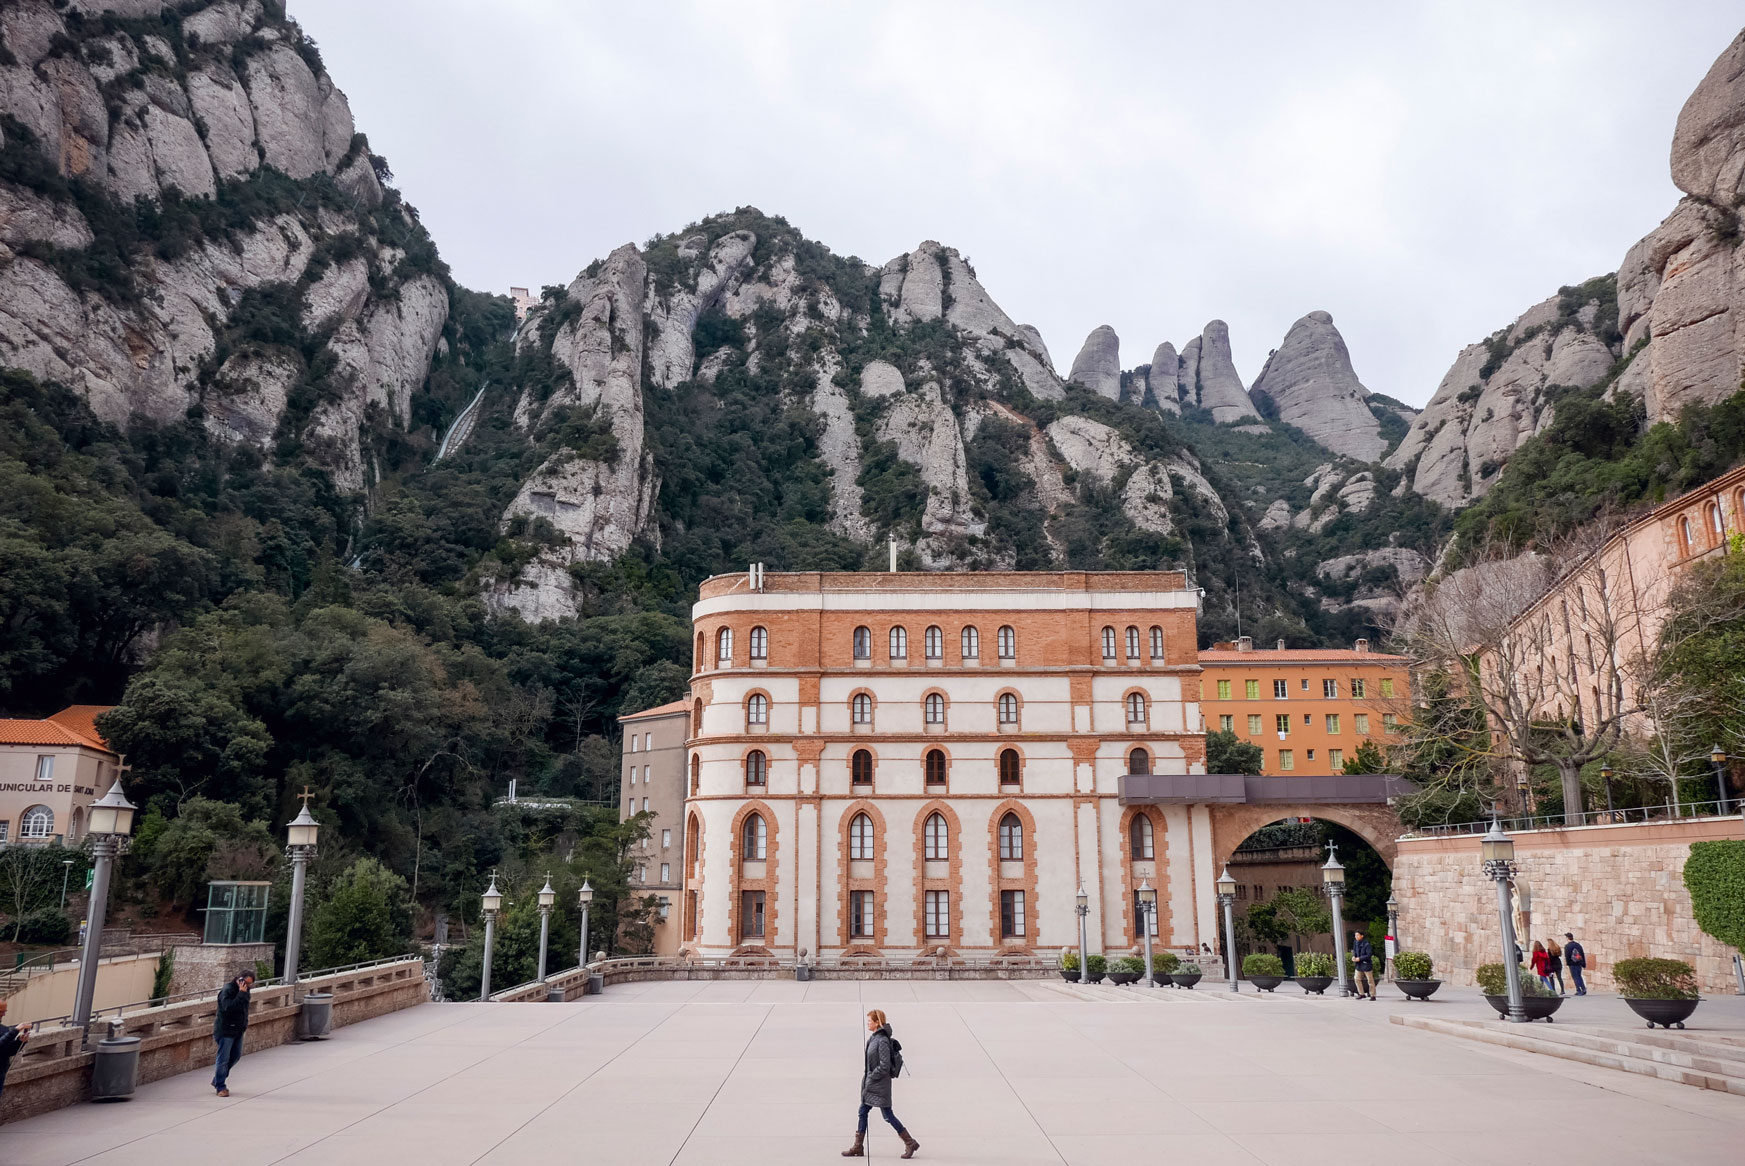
[(1186, 975), (1164, 962), (1662, 992), (1069, 965), (1314, 963), (1413, 965), (1130, 963), (1538, 1001), (1263, 964), (1097, 966)]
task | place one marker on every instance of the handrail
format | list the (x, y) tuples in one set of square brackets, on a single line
[(271, 982), (133, 945), (1665, 812)]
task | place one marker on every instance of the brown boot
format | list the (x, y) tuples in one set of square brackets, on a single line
[(858, 1150), (910, 1145)]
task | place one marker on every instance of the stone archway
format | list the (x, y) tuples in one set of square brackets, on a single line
[(1376, 824)]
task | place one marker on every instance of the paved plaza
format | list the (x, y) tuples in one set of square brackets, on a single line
[(1022, 1072)]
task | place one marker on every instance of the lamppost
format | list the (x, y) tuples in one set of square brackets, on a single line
[(1147, 908), (1393, 934), (547, 897), (66, 870), (111, 822), (493, 901), (1606, 777), (1498, 852), (1718, 757), (1333, 878), (585, 897), (300, 849), (1084, 910), (1227, 899)]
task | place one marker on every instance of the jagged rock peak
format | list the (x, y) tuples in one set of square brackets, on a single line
[(1217, 387), (1164, 379), (1310, 381), (1708, 145), (1098, 365)]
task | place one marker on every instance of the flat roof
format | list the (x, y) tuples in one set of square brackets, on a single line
[(950, 581)]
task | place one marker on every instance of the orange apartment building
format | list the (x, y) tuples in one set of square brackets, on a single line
[(1308, 709)]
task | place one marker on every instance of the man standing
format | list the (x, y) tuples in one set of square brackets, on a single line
[(228, 1027), (12, 1040), (1575, 957), (1363, 958)]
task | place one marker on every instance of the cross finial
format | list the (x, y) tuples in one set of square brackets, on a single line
[(1332, 850), (306, 795)]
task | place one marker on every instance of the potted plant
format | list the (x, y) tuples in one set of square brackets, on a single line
[(1412, 971), (1162, 964), (1662, 992), (1314, 971), (1069, 966), (1538, 1001), (1127, 970), (1098, 966), (1264, 971), (1186, 975)]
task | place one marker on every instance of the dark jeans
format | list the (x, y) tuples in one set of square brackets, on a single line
[(1580, 988), (888, 1116), (1559, 975), (229, 1053)]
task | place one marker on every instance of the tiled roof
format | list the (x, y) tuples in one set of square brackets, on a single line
[(74, 725), (1260, 656), (665, 710)]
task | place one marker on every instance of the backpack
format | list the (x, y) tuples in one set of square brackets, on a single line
[(896, 1057)]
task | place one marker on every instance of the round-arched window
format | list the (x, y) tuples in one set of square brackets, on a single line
[(861, 708), (755, 839), (1108, 643), (1139, 761), (935, 837), (935, 708), (860, 837), (970, 641), (38, 822), (1008, 705), (1011, 838), (756, 768), (1008, 643), (935, 767), (1133, 643), (760, 643), (757, 709), (1139, 837), (935, 644), (1009, 767), (1135, 708), (860, 767), (863, 643), (899, 643)]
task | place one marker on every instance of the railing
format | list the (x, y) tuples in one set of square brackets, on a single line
[(128, 944), (259, 986), (1665, 812)]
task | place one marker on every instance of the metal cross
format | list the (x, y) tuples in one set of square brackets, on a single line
[(306, 795)]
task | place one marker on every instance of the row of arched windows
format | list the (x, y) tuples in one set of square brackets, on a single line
[(861, 707), (1714, 532), (935, 838), (969, 643), (1132, 638), (934, 766)]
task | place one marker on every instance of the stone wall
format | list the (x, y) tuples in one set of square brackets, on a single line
[(206, 967), (1618, 888)]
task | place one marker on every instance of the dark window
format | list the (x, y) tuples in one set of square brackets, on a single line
[(1011, 914), (751, 914), (935, 767), (1009, 767), (756, 768), (861, 767), (1139, 761), (863, 643), (860, 914), (755, 838), (1011, 838), (1139, 836)]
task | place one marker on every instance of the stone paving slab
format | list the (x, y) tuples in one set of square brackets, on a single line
[(1010, 1072)]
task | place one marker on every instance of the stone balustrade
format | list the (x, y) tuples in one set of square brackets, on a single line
[(54, 1068)]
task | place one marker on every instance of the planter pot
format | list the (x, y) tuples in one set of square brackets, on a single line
[(1665, 1013), (1536, 1007), (1097, 977), (1187, 980), (1266, 983), (1123, 977), (1315, 985), (1070, 976), (1418, 989)]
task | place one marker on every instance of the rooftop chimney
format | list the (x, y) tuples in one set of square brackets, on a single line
[(893, 556), (1245, 643), (1363, 645), (1281, 645)]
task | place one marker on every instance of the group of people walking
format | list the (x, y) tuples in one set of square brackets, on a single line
[(1549, 960)]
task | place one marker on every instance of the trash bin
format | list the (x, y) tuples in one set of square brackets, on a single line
[(315, 1020), (554, 995), (803, 972), (115, 1070), (596, 983)]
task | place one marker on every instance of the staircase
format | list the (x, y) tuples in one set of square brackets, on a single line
[(1706, 1060)]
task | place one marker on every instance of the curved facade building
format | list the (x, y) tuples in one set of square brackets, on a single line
[(907, 762)]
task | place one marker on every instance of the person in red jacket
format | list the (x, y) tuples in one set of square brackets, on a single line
[(1542, 965)]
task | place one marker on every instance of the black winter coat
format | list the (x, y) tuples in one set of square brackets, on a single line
[(232, 1016), (10, 1043), (875, 1084), (1363, 956)]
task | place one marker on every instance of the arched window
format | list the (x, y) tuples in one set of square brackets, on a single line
[(899, 643), (860, 837), (1715, 531), (724, 648), (1108, 643), (1139, 837), (697, 717), (693, 835), (1011, 838), (754, 839), (756, 767), (1009, 767), (935, 837), (696, 773), (935, 708), (700, 662), (760, 643), (935, 644), (860, 767), (935, 767), (1135, 708), (970, 640), (1156, 642), (1139, 761), (863, 643), (1133, 643), (861, 708), (1684, 539), (1008, 709), (757, 709), (1008, 644), (38, 822)]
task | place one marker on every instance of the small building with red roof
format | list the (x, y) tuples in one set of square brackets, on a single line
[(51, 770)]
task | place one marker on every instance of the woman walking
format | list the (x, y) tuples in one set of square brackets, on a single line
[(1554, 964), (1541, 964), (882, 1058)]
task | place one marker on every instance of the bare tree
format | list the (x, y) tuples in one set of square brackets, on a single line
[(1537, 643)]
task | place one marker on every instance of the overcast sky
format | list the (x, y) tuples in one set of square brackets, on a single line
[(1423, 171)]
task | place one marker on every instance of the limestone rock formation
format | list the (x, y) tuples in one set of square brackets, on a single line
[(673, 313), (1103, 455), (926, 435), (1164, 378), (1215, 386), (839, 443), (1708, 145), (1311, 383), (880, 379), (1098, 365)]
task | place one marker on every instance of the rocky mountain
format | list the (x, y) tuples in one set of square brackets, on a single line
[(1308, 382), (189, 219)]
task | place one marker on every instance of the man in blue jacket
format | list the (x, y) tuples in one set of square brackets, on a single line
[(229, 1025), (1575, 958), (1363, 962)]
